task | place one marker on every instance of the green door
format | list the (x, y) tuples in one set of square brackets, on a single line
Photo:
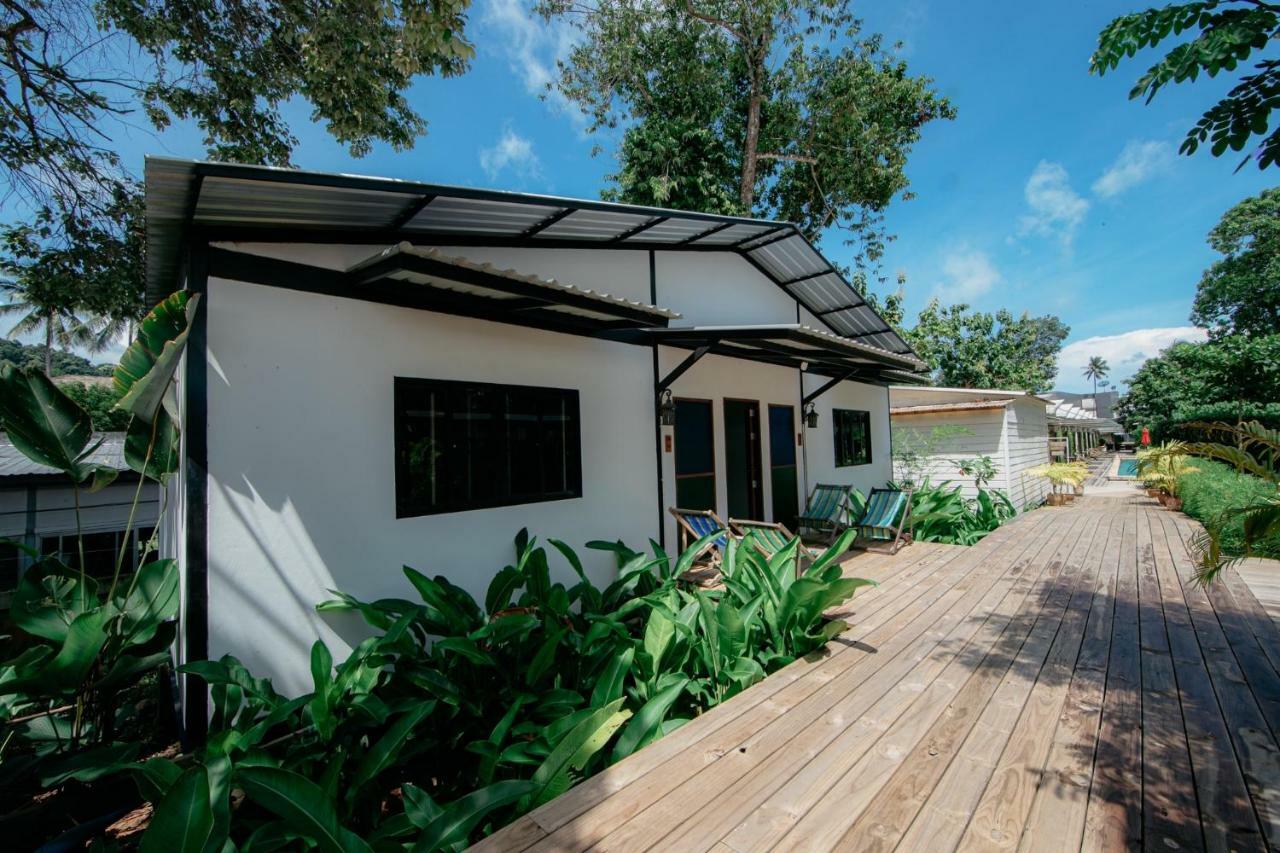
[(742, 473), (695, 455), (782, 464)]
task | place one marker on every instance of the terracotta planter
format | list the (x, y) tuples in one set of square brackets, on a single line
[(1056, 499), (1173, 504), (1068, 497), (1153, 493)]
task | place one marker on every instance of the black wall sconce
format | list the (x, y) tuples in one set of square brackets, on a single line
[(811, 417), (667, 409)]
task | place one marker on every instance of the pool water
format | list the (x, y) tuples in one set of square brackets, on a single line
[(1128, 468)]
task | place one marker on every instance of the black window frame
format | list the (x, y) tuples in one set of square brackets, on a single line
[(844, 455), (406, 390)]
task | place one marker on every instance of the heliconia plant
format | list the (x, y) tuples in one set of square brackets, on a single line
[(87, 639)]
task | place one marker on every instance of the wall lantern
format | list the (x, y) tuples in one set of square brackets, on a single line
[(667, 409), (811, 417)]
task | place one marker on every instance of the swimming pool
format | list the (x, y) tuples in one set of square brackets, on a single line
[(1128, 468)]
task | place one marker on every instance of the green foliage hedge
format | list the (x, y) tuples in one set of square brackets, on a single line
[(1215, 488)]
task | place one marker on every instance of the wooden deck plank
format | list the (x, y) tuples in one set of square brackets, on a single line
[(807, 735), (1061, 685), (1229, 822)]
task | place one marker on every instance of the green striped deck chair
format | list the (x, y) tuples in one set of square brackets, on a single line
[(883, 525), (827, 512), (770, 537)]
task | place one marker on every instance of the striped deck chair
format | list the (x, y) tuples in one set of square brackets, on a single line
[(884, 525), (697, 523), (827, 512), (770, 537)]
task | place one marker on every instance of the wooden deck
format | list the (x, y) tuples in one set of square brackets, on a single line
[(1060, 686)]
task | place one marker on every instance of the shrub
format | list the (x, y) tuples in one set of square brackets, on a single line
[(1213, 490), (942, 514)]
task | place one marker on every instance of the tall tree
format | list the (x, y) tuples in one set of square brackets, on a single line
[(1096, 369), (227, 65), (1220, 35), (975, 349), (771, 108), (1240, 293)]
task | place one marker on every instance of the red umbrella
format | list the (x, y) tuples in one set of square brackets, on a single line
[(1146, 437)]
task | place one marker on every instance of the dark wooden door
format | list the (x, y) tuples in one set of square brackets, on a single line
[(744, 479), (783, 477), (695, 455)]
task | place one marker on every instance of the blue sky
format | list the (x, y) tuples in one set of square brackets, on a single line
[(1050, 193)]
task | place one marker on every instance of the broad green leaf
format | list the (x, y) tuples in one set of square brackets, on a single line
[(45, 424), (574, 750), (154, 448), (90, 764), (183, 821), (148, 365), (610, 684), (48, 597), (302, 805), (454, 824), (646, 726), (418, 805), (153, 599), (85, 637), (383, 752)]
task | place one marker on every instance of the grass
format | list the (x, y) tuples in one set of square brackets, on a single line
[(1215, 488)]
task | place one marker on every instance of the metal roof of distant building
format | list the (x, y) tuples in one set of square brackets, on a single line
[(14, 464), (250, 202)]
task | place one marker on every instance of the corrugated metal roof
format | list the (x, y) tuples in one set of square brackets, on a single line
[(932, 408), (408, 250), (250, 200), (14, 464)]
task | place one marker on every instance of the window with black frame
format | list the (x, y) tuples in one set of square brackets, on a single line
[(473, 445), (852, 437)]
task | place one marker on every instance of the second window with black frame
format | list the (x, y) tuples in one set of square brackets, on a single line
[(852, 437), (474, 445)]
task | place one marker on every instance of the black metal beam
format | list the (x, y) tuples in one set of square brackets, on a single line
[(838, 310), (824, 388), (642, 227), (696, 237), (811, 275), (787, 234), (411, 211), (745, 240), (544, 224), (680, 368)]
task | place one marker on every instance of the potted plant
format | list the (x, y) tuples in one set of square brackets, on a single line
[(1162, 468), (1060, 476)]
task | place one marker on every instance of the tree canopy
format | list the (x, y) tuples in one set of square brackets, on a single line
[(975, 349), (1240, 293), (783, 110), (227, 65), (1231, 378), (1221, 34)]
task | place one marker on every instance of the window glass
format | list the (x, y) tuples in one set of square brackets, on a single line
[(469, 445), (852, 437)]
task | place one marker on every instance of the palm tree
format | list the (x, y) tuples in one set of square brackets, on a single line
[(1095, 370), (45, 307)]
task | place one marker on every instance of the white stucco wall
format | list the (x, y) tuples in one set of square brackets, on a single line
[(819, 444), (301, 484)]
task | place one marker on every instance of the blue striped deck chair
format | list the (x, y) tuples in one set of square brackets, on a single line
[(827, 512), (884, 523), (697, 523)]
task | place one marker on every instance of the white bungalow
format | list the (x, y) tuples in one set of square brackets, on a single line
[(386, 372), (1009, 427), (1075, 430)]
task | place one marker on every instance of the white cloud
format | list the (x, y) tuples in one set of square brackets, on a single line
[(967, 274), (512, 151), (1125, 353), (1138, 162), (533, 46), (1056, 209)]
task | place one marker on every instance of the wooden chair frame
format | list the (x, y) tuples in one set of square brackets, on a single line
[(687, 535), (830, 527)]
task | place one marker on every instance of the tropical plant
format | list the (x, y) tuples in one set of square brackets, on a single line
[(942, 514), (981, 468), (1223, 34), (1163, 466), (1239, 293), (1062, 474), (84, 641), (458, 716), (1254, 450), (1096, 369)]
